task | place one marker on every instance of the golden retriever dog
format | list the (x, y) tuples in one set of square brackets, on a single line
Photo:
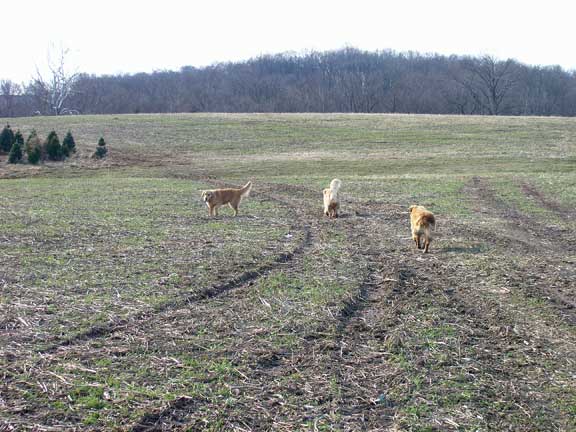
[(218, 197), (422, 222), (331, 203)]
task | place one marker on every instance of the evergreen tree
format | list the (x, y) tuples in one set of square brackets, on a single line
[(15, 155), (6, 139), (33, 148), (68, 145), (101, 150), (53, 147)]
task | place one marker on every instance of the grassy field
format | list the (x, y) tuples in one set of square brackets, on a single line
[(124, 306)]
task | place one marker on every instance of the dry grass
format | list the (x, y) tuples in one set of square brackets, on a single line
[(123, 306)]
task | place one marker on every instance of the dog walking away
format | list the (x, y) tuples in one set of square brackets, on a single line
[(218, 197), (422, 223), (331, 202)]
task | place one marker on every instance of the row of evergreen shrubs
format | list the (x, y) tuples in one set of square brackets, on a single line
[(36, 151)]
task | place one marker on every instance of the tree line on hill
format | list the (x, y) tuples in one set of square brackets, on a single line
[(346, 80)]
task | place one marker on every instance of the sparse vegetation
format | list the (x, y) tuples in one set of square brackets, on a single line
[(133, 309)]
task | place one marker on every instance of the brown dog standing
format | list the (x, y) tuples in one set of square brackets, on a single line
[(422, 223), (331, 203), (217, 197)]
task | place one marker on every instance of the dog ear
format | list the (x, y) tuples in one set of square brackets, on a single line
[(412, 207)]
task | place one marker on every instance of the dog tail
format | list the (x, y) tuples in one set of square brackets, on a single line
[(246, 189), (429, 224), (432, 222), (335, 187)]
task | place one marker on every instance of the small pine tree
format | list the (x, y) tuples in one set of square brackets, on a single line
[(52, 147), (68, 145), (33, 148), (15, 155), (101, 150), (6, 139)]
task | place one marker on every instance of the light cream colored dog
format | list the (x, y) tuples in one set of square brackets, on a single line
[(422, 223), (331, 202), (218, 197)]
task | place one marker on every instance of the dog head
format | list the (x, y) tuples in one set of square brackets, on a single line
[(207, 195)]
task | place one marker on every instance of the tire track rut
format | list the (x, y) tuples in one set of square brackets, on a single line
[(522, 226), (531, 236), (554, 206), (217, 289)]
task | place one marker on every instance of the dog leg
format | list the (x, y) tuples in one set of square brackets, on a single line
[(415, 240), (235, 204), (426, 244), (418, 241), (332, 211)]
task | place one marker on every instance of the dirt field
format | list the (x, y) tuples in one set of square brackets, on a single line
[(123, 306)]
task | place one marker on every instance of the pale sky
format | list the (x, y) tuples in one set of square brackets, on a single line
[(111, 37)]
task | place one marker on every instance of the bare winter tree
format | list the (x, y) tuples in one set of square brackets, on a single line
[(488, 81), (8, 92), (56, 88)]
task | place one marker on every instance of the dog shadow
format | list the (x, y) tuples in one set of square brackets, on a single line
[(322, 216), (224, 217), (469, 250)]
